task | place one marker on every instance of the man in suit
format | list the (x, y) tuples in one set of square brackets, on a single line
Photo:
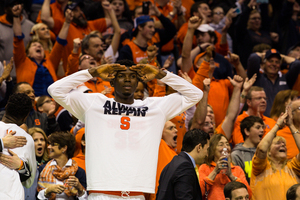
[(178, 179)]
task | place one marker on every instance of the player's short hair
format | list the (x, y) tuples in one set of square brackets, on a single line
[(18, 105), (192, 138)]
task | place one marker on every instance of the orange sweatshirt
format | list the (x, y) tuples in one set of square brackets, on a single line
[(26, 68)]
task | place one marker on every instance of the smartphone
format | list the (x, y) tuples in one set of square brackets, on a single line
[(146, 5), (237, 11)]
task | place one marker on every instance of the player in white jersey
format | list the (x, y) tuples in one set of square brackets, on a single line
[(123, 134), (16, 163)]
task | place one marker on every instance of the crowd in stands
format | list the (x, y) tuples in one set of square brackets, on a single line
[(243, 54)]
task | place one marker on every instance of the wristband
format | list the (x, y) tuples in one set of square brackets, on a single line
[(21, 166), (280, 126), (297, 131), (243, 96)]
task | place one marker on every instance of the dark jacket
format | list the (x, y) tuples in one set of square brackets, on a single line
[(179, 180), (37, 119)]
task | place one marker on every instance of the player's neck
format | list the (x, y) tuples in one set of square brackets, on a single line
[(11, 120), (123, 100)]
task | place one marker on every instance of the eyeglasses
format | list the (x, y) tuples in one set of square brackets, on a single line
[(260, 98), (54, 144), (219, 13)]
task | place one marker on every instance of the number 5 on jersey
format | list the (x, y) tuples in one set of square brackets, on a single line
[(125, 123)]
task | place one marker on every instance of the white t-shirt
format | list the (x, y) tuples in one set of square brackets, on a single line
[(122, 140), (10, 183)]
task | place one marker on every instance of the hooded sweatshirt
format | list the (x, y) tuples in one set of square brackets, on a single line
[(7, 38), (242, 157)]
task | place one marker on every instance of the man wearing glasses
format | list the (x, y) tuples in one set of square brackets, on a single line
[(256, 101)]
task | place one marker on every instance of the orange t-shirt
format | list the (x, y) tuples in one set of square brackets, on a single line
[(165, 155), (137, 53), (73, 64), (292, 149), (80, 160), (132, 4), (220, 91), (99, 86), (237, 136)]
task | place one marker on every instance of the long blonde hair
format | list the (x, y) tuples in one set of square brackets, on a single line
[(33, 130), (35, 36)]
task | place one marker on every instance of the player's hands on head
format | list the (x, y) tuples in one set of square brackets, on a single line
[(106, 72), (148, 72)]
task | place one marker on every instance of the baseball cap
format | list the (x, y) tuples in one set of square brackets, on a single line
[(205, 28), (72, 4), (142, 19), (9, 3), (271, 53)]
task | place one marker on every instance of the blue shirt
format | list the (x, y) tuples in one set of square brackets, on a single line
[(192, 159)]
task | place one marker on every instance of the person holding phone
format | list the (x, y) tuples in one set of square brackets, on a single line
[(145, 34), (217, 171)]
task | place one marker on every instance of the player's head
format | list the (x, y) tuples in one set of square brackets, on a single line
[(125, 81), (18, 107)]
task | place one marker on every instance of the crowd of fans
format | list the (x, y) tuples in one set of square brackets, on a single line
[(243, 54)]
